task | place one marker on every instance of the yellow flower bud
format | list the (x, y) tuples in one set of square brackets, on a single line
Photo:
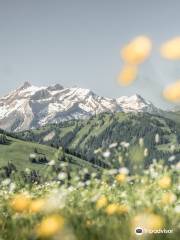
[(168, 198), (20, 203), (50, 226), (101, 202), (127, 75), (172, 92), (112, 209), (36, 205), (137, 51), (171, 49), (121, 178), (123, 209), (165, 182)]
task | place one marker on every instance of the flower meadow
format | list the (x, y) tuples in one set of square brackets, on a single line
[(107, 204)]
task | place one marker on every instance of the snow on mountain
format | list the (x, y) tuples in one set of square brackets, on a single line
[(135, 103), (31, 107)]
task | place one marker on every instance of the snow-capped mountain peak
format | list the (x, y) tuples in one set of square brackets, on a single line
[(135, 103), (30, 106)]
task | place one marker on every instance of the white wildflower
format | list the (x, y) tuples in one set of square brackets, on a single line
[(80, 184), (157, 138), (63, 164), (12, 187), (172, 148), (6, 182), (98, 150), (120, 159), (62, 176), (51, 163), (146, 152), (141, 142), (113, 145), (32, 155), (27, 170), (55, 201), (125, 144), (93, 175), (76, 179), (106, 154), (153, 173), (71, 189), (112, 171), (172, 158), (88, 182), (124, 170), (95, 197), (85, 170)]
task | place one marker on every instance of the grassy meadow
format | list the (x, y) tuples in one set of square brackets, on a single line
[(94, 204)]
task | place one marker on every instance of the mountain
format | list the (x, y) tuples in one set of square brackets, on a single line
[(83, 137), (30, 106)]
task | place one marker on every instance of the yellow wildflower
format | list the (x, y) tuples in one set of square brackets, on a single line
[(20, 203), (50, 226), (37, 205), (112, 209), (165, 182), (121, 178), (172, 92), (127, 75), (101, 202), (168, 198), (115, 208), (122, 208), (137, 51), (171, 49)]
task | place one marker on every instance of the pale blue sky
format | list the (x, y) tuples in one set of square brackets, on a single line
[(77, 42)]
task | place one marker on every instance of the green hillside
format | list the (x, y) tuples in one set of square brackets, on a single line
[(16, 156), (18, 152), (83, 137)]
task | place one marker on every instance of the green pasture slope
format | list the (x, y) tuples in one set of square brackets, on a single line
[(83, 137), (17, 152)]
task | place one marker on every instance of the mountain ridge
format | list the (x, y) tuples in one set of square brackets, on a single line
[(30, 106)]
